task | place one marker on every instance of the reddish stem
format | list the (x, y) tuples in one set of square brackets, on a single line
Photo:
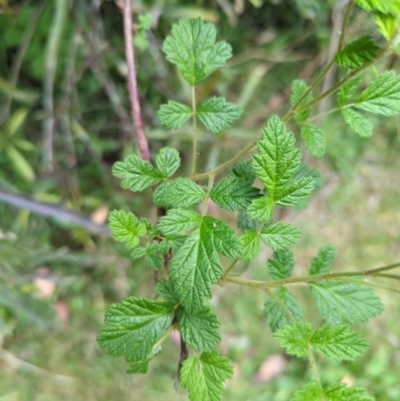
[(132, 83)]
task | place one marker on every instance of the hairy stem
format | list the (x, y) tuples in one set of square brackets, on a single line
[(209, 188), (194, 116), (132, 83), (231, 266), (313, 364), (344, 25)]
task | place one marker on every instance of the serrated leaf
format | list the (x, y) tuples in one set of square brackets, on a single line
[(338, 343), (297, 192), (172, 242), (250, 244), (261, 209), (357, 53), (173, 115), (138, 252), (136, 174), (347, 90), (125, 227), (340, 392), (168, 161), (281, 265), (134, 327), (280, 235), (153, 257), (161, 195), (294, 338), (310, 392), (357, 123), (165, 289), (299, 87), (178, 221), (382, 96), (322, 263), (339, 301), (183, 192), (314, 140), (386, 7), (200, 328), (142, 366), (244, 170), (204, 377), (284, 312), (216, 114), (192, 49), (245, 222), (233, 194), (387, 24)]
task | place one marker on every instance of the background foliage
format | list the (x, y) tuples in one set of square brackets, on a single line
[(48, 264)]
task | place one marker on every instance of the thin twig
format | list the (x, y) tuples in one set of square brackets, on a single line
[(345, 24), (194, 117), (132, 83)]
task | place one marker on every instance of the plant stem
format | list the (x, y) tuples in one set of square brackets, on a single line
[(345, 23), (209, 188), (313, 364), (194, 116), (232, 265), (132, 83)]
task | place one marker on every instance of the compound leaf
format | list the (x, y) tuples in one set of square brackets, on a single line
[(204, 377), (357, 53), (296, 193), (281, 265), (310, 392), (280, 235), (178, 221), (168, 161), (299, 87), (295, 338), (134, 327), (136, 174), (192, 49), (261, 209), (173, 115), (200, 328), (339, 301), (126, 228), (322, 263), (216, 114), (314, 140), (233, 193), (338, 343), (250, 242), (347, 90), (382, 96), (340, 392), (282, 309), (357, 123), (183, 192)]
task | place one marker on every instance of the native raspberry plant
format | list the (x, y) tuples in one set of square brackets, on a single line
[(185, 244)]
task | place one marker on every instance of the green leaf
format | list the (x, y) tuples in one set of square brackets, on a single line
[(216, 114), (282, 309), (204, 377), (357, 53), (347, 90), (387, 24), (310, 392), (280, 235), (299, 87), (250, 243), (294, 338), (386, 7), (178, 221), (168, 161), (233, 194), (136, 174), (281, 265), (165, 289), (322, 263), (184, 192), (138, 252), (382, 96), (340, 392), (134, 327), (192, 49), (245, 222), (161, 196), (339, 301), (174, 115), (297, 192), (261, 209), (153, 257), (314, 140), (338, 343), (200, 328), (126, 228), (244, 170), (357, 123)]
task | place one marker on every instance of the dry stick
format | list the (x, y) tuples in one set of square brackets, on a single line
[(132, 83)]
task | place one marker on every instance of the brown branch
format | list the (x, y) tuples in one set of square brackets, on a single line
[(132, 83)]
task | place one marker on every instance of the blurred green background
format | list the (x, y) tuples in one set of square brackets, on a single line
[(64, 121)]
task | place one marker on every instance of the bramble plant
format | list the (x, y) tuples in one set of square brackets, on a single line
[(185, 244)]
